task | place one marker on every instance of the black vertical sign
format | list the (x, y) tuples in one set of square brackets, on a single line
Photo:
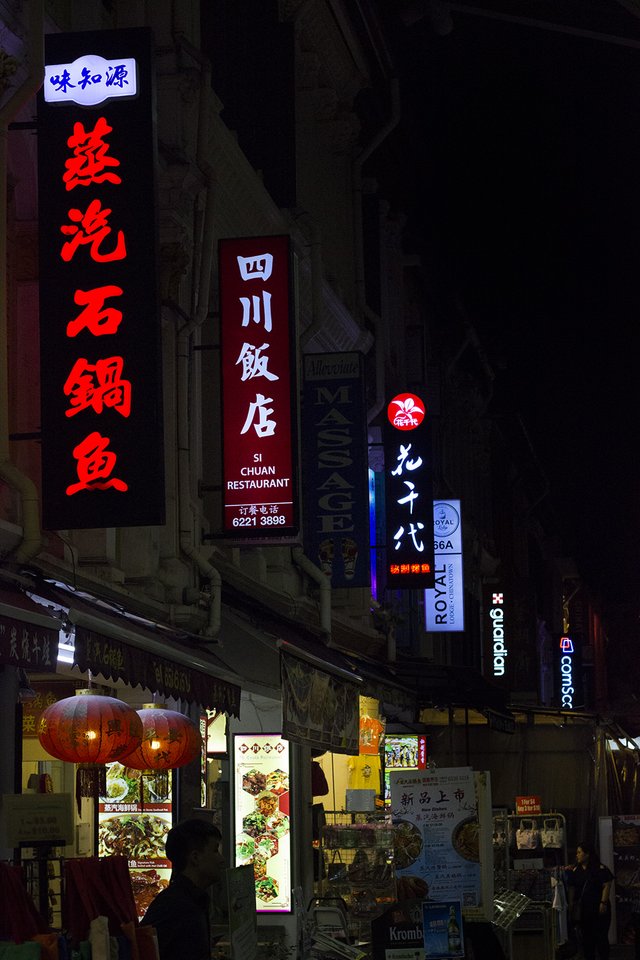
[(409, 494), (102, 418)]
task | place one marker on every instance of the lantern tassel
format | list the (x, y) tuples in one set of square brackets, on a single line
[(91, 781)]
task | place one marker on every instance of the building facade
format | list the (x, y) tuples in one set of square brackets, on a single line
[(271, 120)]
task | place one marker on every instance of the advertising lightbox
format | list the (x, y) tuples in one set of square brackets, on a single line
[(444, 604), (259, 401), (134, 818), (102, 416), (568, 670), (497, 624), (408, 494), (262, 826), (406, 751)]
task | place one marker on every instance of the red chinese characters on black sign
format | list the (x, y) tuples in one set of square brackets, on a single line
[(100, 371), (408, 494), (258, 389)]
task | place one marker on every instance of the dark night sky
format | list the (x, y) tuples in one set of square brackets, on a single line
[(524, 148)]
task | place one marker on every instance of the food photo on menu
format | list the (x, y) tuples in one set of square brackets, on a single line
[(133, 822)]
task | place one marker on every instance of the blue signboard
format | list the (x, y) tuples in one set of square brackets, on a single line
[(335, 476)]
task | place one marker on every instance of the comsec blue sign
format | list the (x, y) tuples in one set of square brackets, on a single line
[(570, 681)]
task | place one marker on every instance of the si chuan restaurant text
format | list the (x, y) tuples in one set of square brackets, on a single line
[(99, 312)]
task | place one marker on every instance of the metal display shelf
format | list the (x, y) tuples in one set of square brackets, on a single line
[(536, 925), (357, 852)]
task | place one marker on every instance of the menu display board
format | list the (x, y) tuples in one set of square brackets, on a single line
[(262, 827), (133, 822), (437, 839)]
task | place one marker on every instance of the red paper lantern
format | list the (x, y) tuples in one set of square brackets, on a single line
[(89, 729), (169, 740)]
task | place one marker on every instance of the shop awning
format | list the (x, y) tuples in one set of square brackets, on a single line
[(439, 685), (319, 708), (28, 637), (139, 652), (381, 681)]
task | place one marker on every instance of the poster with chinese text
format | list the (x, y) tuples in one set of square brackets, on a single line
[(437, 831)]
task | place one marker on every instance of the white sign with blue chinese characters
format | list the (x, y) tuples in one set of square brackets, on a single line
[(444, 602), (435, 816), (90, 80)]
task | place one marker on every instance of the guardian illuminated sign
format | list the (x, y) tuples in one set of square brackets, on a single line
[(497, 628)]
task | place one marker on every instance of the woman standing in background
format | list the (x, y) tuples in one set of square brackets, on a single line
[(589, 890)]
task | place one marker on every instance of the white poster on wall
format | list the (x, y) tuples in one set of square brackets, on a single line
[(435, 813)]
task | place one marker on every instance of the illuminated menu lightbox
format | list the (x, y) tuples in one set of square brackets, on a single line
[(408, 494), (403, 752), (262, 809), (259, 399), (134, 818), (102, 417)]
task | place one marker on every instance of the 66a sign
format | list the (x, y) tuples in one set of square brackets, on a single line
[(408, 494)]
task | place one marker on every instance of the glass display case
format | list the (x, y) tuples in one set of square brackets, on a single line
[(357, 860)]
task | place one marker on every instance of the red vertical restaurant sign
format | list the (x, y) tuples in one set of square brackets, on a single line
[(259, 404), (102, 450)]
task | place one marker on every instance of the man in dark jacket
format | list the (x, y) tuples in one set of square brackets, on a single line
[(180, 913)]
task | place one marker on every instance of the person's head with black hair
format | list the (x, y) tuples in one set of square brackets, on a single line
[(587, 855), (193, 846)]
